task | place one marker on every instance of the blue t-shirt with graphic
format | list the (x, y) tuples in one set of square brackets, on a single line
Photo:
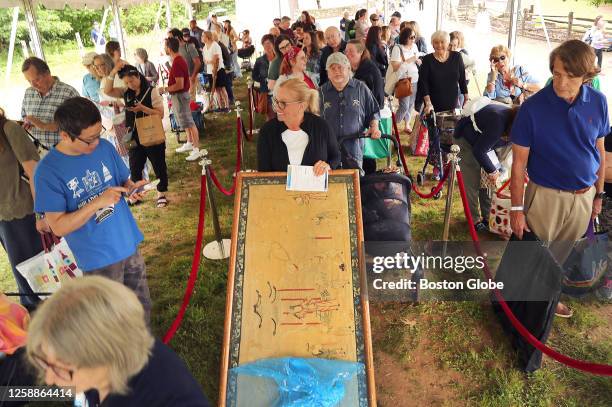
[(66, 183)]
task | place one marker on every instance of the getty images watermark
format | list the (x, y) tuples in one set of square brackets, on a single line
[(454, 271), (411, 263)]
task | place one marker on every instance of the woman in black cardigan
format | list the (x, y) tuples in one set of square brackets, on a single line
[(297, 136)]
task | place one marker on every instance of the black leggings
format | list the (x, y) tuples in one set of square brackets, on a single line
[(157, 156)]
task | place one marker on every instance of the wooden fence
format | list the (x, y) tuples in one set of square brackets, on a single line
[(559, 28)]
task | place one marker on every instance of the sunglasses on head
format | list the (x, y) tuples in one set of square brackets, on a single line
[(496, 60)]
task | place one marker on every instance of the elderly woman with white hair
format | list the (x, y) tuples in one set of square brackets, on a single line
[(440, 74), (91, 80), (92, 335)]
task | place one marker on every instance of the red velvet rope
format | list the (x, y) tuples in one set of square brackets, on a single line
[(437, 188), (595, 368), (213, 176), (195, 266), (399, 143), (215, 180)]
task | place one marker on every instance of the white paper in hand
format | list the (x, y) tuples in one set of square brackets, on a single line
[(494, 160), (302, 178)]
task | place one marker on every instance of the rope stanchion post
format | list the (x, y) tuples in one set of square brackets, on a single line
[(220, 248), (453, 157), (241, 142)]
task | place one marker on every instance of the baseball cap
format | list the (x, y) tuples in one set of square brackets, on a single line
[(337, 58)]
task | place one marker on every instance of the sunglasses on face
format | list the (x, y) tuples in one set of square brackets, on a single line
[(412, 37), (61, 372), (496, 60)]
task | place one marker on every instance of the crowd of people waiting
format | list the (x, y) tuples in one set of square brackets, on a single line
[(319, 90)]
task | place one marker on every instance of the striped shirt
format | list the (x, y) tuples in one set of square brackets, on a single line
[(44, 107)]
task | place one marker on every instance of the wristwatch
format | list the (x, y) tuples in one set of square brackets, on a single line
[(39, 215), (600, 195)]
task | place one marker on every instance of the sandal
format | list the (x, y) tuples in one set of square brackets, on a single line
[(564, 314), (162, 202)]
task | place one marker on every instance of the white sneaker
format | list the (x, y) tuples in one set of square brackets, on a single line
[(185, 148), (194, 156)]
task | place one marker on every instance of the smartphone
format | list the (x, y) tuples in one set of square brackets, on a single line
[(144, 188)]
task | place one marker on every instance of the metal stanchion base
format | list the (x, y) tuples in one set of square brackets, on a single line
[(217, 250)]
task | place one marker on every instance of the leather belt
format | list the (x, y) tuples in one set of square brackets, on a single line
[(580, 191)]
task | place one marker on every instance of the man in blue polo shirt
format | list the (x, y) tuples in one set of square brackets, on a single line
[(79, 188), (558, 136)]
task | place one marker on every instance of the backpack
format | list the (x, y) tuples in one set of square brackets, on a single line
[(350, 29), (227, 59)]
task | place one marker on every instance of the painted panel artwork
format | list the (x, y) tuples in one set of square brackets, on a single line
[(296, 282)]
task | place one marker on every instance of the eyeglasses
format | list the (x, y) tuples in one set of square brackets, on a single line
[(284, 46), (496, 60), (95, 140), (99, 65), (412, 37), (278, 105), (61, 372)]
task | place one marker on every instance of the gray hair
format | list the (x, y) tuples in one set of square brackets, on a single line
[(440, 35), (142, 54), (93, 322)]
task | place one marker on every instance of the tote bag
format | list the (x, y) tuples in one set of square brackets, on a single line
[(150, 130), (46, 271)]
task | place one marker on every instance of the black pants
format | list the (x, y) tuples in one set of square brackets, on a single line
[(157, 156), (21, 241), (599, 55)]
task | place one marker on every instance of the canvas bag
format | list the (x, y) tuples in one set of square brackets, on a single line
[(499, 214), (421, 146), (150, 127), (46, 271)]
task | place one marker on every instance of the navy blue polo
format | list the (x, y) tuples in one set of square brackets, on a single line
[(562, 137), (349, 112)]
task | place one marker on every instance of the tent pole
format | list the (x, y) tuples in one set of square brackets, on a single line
[(189, 9), (30, 14), (9, 62), (515, 8), (119, 27), (168, 15), (439, 14), (103, 24)]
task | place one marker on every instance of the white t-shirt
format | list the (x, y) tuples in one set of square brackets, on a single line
[(407, 69), (296, 142), (209, 53)]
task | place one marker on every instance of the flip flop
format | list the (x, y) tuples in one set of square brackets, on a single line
[(568, 315), (162, 202)]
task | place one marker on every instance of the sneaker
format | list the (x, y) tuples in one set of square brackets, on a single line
[(481, 227), (194, 156), (185, 148)]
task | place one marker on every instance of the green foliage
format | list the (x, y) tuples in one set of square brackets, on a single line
[(62, 25)]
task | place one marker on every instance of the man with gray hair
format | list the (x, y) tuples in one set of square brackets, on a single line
[(335, 43), (45, 94), (349, 108)]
